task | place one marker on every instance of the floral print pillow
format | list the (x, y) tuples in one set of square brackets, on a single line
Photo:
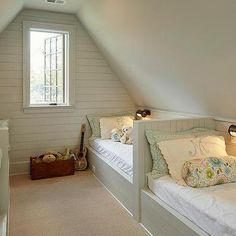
[(199, 173)]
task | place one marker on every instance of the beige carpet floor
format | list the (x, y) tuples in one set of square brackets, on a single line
[(75, 205)]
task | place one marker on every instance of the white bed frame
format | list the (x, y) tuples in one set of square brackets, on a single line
[(155, 215), (116, 181)]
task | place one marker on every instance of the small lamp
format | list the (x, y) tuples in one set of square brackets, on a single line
[(232, 130), (142, 113)]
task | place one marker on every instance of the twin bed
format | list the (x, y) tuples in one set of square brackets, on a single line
[(112, 164), (161, 205)]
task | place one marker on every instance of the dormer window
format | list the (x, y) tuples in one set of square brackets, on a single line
[(48, 65)]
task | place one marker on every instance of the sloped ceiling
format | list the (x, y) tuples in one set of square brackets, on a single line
[(10, 8), (173, 55)]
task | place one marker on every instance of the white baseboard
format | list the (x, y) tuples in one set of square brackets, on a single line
[(146, 230), (18, 168)]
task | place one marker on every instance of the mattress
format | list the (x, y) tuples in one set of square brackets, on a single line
[(213, 208), (119, 154)]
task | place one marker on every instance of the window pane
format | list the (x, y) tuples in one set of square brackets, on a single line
[(59, 44), (53, 94), (59, 61), (53, 45), (60, 95), (46, 68), (60, 81), (54, 78), (60, 86), (47, 94), (53, 61), (47, 81), (47, 62), (47, 46)]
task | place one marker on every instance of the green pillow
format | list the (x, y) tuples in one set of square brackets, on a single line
[(94, 121), (199, 173), (159, 167), (4, 123)]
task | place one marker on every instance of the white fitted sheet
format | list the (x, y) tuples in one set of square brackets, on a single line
[(119, 154), (213, 208)]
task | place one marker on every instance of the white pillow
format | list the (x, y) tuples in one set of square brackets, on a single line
[(176, 152), (109, 123)]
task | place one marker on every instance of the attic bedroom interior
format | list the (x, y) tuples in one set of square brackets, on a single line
[(117, 118)]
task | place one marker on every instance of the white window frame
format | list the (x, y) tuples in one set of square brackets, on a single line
[(70, 69)]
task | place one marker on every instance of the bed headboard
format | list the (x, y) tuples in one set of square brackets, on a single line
[(142, 156), (142, 161)]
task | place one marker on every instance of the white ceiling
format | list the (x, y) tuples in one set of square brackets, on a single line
[(169, 54), (10, 8), (71, 6)]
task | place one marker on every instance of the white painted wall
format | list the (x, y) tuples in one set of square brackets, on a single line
[(97, 90), (172, 55), (8, 10)]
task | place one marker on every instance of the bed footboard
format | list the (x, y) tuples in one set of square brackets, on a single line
[(162, 220), (117, 184)]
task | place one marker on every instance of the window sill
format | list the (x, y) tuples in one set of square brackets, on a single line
[(49, 109)]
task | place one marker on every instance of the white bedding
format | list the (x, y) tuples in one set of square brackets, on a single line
[(213, 208), (119, 154)]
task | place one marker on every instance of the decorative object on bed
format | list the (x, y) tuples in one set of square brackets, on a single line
[(209, 171), (142, 114), (116, 134), (109, 123), (80, 154), (159, 167), (176, 152), (94, 121), (232, 130), (127, 132)]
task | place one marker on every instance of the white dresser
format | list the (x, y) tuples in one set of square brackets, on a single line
[(4, 178)]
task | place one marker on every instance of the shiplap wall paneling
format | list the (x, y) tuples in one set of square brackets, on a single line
[(97, 90)]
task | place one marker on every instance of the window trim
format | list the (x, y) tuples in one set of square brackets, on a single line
[(71, 64)]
